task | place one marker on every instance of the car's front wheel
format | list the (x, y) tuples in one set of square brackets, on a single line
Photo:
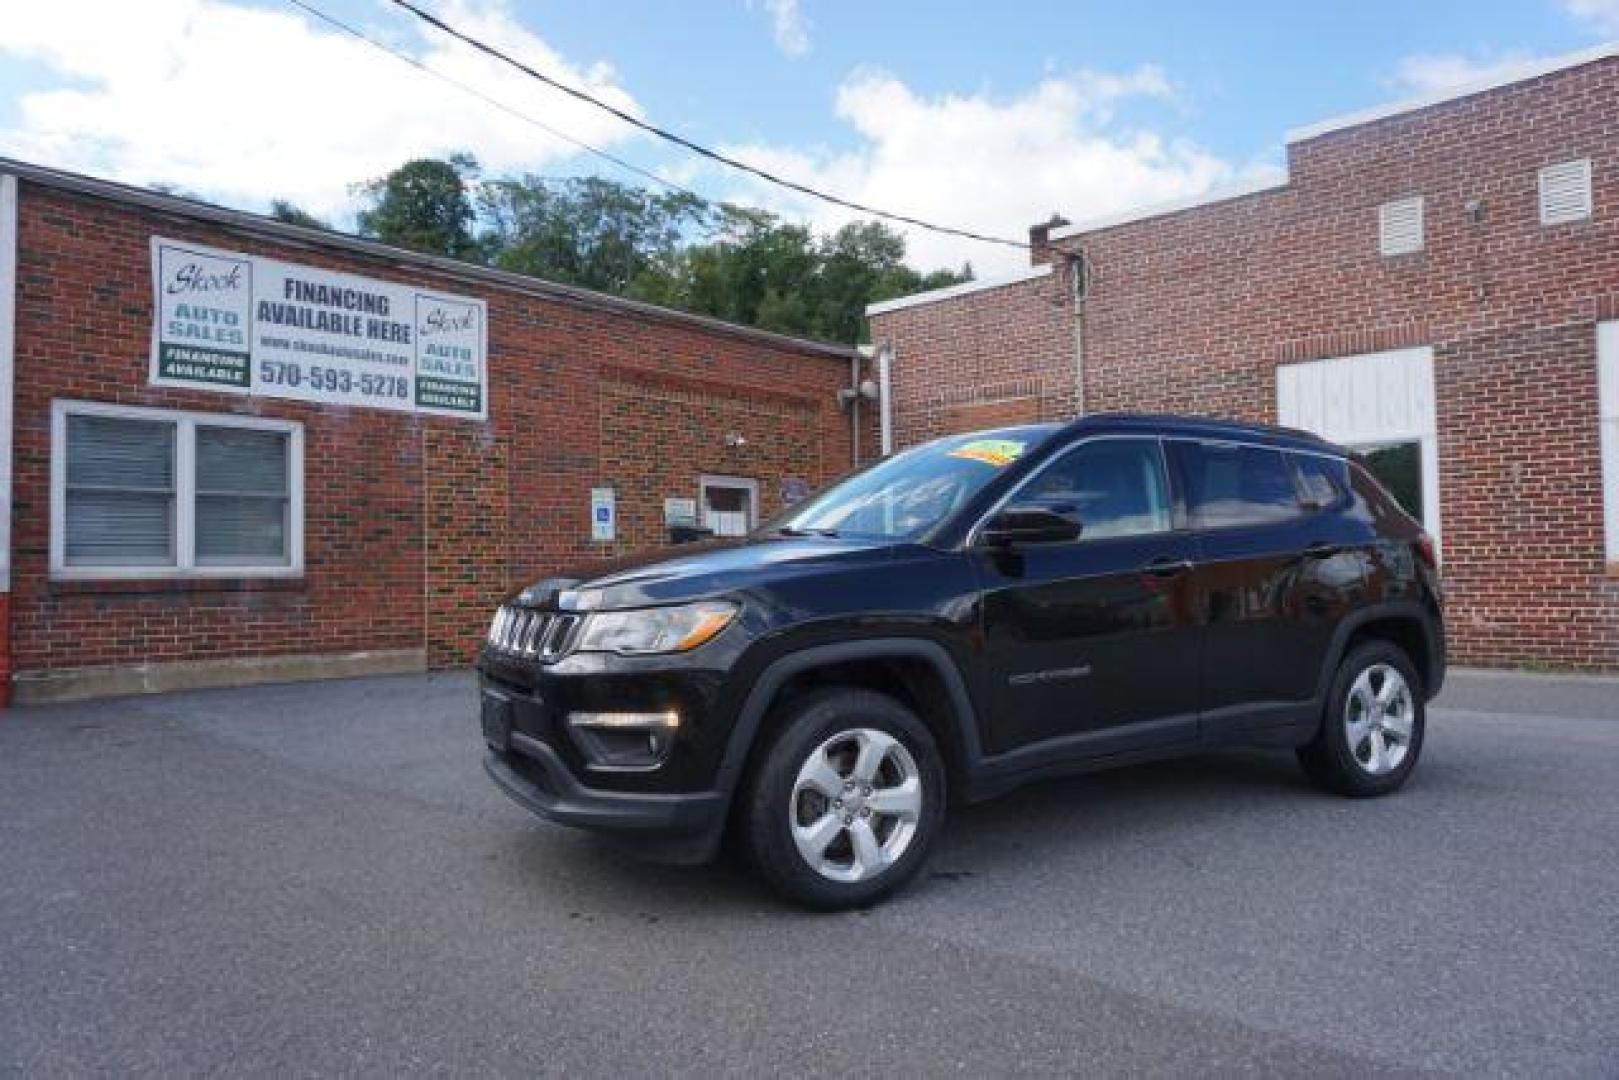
[(1372, 730), (846, 801)]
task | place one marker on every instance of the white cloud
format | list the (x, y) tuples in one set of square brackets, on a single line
[(1601, 15), (992, 165), (245, 104), (1426, 73), (788, 25)]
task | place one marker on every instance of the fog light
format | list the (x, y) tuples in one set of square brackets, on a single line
[(621, 721), (624, 740)]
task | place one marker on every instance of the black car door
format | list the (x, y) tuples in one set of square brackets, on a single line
[(1091, 645), (1273, 578)]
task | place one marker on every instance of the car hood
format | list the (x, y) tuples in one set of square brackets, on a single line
[(695, 571)]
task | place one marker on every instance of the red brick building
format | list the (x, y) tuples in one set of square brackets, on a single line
[(233, 450), (1435, 283)]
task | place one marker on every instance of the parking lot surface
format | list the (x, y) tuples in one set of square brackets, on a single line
[(319, 878)]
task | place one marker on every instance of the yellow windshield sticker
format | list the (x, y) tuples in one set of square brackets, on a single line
[(996, 452)]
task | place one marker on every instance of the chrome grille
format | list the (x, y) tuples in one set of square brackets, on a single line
[(526, 632)]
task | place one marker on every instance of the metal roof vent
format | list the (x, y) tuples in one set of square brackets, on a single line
[(1399, 226), (1565, 192)]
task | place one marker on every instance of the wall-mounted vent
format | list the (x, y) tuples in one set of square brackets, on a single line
[(1565, 192), (1399, 226), (1079, 275)]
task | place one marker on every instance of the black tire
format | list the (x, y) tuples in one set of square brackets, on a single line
[(769, 802), (1330, 761)]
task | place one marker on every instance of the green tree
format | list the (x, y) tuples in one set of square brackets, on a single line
[(292, 214), (586, 231), (672, 248), (425, 205)]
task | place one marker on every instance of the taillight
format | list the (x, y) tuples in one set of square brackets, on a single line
[(1426, 549)]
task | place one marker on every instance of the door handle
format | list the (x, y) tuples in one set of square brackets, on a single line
[(1167, 566), (1322, 550)]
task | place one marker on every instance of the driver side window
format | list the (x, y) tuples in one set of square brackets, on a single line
[(1116, 486)]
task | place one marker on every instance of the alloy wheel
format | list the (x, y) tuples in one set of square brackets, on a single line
[(1378, 719), (855, 805)]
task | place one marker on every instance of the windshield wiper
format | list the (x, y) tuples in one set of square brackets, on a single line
[(793, 530)]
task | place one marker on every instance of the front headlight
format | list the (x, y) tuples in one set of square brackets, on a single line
[(655, 630)]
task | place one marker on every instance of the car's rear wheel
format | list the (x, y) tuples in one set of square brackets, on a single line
[(1371, 734), (846, 801)]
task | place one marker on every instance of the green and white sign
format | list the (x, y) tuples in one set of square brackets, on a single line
[(241, 324)]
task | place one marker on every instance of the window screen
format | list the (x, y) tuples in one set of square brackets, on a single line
[(149, 492), (120, 493), (242, 495), (1116, 486), (1230, 484)]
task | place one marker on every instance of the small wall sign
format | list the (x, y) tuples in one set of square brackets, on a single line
[(794, 490), (603, 514), (680, 511)]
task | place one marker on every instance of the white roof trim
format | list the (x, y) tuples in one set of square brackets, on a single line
[(1516, 73), (963, 289), (1174, 206)]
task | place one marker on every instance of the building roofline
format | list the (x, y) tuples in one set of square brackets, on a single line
[(259, 225), (1515, 73), (965, 288), (1173, 206), (1525, 72)]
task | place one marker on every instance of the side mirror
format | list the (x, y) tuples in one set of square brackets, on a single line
[(1031, 523)]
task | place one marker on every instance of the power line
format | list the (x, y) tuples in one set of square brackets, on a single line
[(497, 103), (696, 148)]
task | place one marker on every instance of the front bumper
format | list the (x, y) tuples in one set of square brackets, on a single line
[(535, 777), (683, 828)]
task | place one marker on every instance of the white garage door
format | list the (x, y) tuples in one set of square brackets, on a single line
[(1381, 404)]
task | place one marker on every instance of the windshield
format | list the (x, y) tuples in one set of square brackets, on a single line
[(911, 492)]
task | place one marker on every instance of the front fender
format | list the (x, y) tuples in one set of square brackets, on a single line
[(775, 675)]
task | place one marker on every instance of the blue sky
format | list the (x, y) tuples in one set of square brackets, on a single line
[(987, 116)]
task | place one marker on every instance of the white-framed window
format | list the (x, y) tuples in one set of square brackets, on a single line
[(1399, 226), (153, 493), (1608, 398), (729, 504), (1565, 192)]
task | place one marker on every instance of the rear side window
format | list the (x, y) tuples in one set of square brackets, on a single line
[(1231, 484), (1323, 481), (1384, 510)]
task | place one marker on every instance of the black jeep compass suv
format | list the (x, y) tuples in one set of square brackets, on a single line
[(964, 617)]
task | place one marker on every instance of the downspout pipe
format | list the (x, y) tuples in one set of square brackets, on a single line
[(850, 397), (854, 405), (885, 400)]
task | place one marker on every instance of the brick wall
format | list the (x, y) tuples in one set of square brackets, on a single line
[(414, 526), (1004, 354), (660, 434), (1193, 311)]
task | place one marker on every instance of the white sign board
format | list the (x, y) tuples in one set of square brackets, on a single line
[(241, 324), (680, 511), (603, 514)]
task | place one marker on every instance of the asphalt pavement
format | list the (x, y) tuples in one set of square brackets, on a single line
[(319, 879)]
